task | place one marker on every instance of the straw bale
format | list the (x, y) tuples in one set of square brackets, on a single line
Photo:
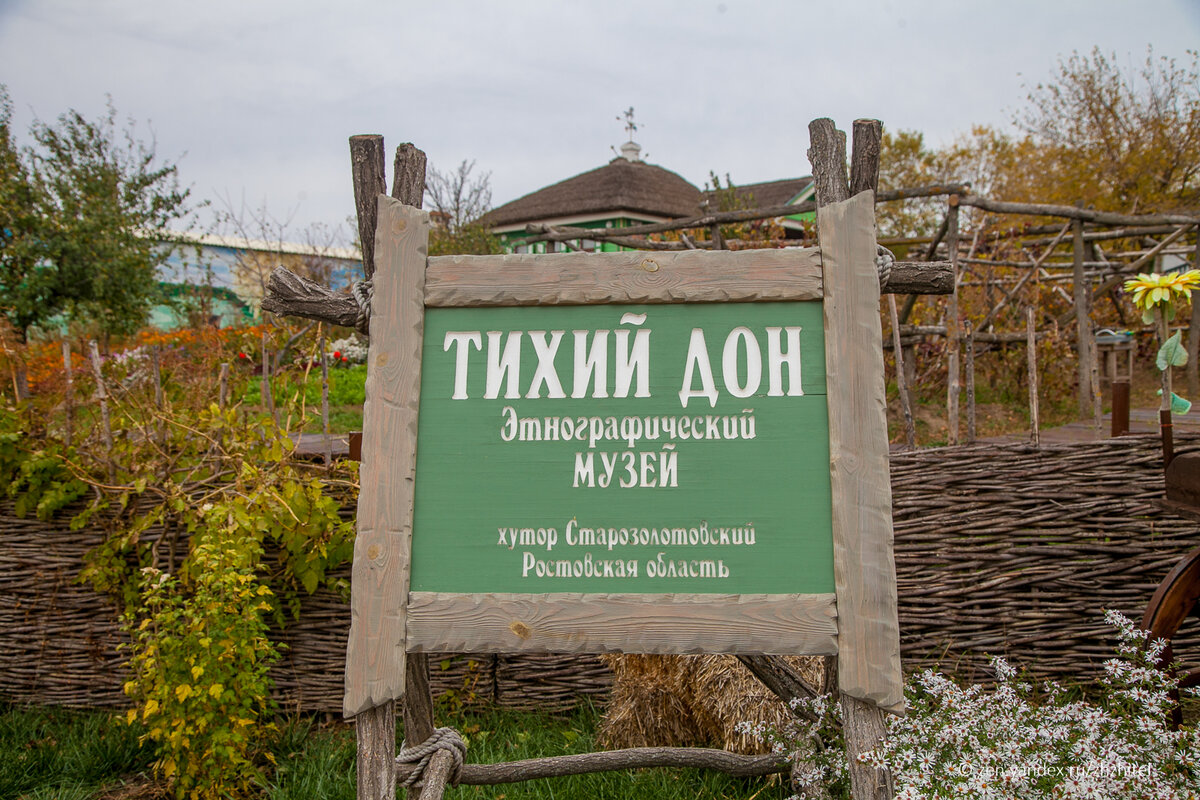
[(680, 701), (649, 705)]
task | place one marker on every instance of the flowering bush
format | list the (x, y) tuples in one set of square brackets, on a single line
[(968, 742), (348, 351)]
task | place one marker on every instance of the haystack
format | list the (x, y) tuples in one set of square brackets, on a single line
[(686, 701)]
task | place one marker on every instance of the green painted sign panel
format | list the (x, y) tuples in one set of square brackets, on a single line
[(623, 449)]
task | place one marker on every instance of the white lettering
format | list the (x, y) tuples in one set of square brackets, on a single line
[(545, 373), (729, 363), (461, 340), (697, 360), (777, 357), (503, 366), (589, 363)]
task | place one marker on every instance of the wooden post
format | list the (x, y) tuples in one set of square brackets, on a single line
[(864, 156), (376, 726), (328, 448), (1164, 409), (367, 164), (970, 365), (102, 399), (1193, 343), (1085, 338), (952, 327), (159, 401), (375, 730), (910, 430), (863, 722), (1031, 361), (1120, 408), (265, 385), (408, 187), (69, 394), (1094, 386), (223, 387)]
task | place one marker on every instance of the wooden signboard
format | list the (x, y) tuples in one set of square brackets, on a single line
[(650, 453)]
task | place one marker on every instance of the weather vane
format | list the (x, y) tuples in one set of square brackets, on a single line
[(630, 125)]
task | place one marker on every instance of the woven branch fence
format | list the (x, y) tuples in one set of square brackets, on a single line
[(1000, 550)]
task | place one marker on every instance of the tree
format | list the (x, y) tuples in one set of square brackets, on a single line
[(1119, 140), (994, 163), (458, 201), (458, 198), (100, 204), (20, 290)]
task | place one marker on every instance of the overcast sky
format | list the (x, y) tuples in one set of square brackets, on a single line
[(255, 99)]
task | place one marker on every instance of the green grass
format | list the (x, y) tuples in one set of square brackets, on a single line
[(346, 396), (52, 753), (57, 754)]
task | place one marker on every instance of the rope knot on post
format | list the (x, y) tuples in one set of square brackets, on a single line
[(363, 291), (442, 739), (884, 259)]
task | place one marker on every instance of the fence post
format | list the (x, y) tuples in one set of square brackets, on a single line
[(952, 328), (1084, 336), (1031, 362), (69, 399)]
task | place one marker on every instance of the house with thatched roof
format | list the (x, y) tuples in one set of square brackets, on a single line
[(626, 191)]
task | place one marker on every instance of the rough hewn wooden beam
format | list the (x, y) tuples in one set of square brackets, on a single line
[(864, 165), (408, 175), (920, 277), (290, 295), (864, 571), (827, 153), (367, 165), (613, 760), (1082, 214)]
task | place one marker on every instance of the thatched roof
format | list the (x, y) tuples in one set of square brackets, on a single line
[(620, 185), (771, 193)]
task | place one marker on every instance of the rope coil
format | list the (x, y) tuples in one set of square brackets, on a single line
[(884, 259), (442, 739), (362, 292)]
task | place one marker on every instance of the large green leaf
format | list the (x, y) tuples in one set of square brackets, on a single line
[(1180, 405), (1172, 354)]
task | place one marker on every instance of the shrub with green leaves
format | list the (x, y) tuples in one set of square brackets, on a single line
[(214, 530), (200, 656)]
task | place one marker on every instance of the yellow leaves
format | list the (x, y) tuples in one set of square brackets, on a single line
[(131, 717), (150, 709), (215, 690), (183, 692), (197, 671), (168, 767)]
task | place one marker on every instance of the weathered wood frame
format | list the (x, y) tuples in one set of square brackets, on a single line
[(387, 622)]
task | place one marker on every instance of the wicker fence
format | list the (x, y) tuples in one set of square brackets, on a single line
[(999, 550)]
